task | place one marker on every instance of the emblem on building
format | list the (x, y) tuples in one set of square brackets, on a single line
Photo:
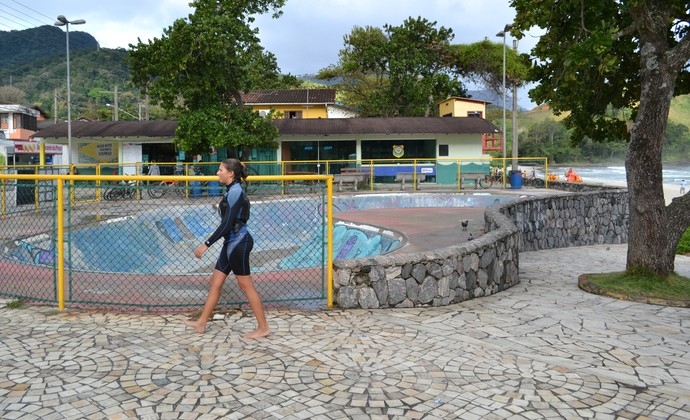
[(398, 150)]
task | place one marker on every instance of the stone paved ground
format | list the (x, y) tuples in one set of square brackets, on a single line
[(542, 349)]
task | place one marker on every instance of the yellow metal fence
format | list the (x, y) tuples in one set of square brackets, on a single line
[(126, 242), (371, 174)]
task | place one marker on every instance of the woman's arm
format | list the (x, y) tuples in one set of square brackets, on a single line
[(235, 202)]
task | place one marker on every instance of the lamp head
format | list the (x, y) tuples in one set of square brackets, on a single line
[(62, 21), (505, 30)]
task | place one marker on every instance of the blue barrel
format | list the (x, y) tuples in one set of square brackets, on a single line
[(515, 180), (214, 188), (195, 189)]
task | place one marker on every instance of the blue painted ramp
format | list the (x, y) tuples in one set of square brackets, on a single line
[(194, 226), (168, 228)]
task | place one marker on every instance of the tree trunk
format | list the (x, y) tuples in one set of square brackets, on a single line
[(654, 229)]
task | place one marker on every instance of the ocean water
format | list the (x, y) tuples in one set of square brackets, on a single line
[(672, 174)]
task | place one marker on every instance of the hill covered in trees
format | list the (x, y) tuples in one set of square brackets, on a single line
[(34, 62), (30, 45)]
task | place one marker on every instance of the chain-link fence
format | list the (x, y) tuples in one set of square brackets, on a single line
[(127, 243)]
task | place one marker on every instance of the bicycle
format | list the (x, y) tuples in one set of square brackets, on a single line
[(123, 190), (164, 187), (532, 181), (489, 180)]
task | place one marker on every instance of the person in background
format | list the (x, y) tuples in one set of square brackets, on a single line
[(682, 187), (154, 170), (234, 255)]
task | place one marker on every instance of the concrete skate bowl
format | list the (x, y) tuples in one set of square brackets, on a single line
[(146, 260)]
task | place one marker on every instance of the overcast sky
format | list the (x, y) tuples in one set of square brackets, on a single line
[(305, 39)]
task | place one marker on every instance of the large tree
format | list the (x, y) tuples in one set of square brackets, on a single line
[(201, 66), (397, 70), (482, 62), (601, 54)]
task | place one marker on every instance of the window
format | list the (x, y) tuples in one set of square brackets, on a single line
[(443, 150), (291, 115), (383, 149), (477, 114), (318, 150)]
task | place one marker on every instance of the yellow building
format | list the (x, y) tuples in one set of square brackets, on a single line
[(465, 107), (462, 107), (292, 103)]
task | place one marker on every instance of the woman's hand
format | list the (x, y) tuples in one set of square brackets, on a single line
[(199, 251)]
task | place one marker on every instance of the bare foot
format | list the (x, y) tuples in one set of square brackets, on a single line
[(257, 334), (200, 328)]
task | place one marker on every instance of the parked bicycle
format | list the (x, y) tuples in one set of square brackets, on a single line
[(123, 190), (532, 180), (166, 187), (489, 180)]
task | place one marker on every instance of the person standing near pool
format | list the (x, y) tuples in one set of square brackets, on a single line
[(237, 245)]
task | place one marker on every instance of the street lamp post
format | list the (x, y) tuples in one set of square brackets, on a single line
[(515, 166), (502, 34), (62, 21)]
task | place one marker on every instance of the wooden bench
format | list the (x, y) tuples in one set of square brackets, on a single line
[(471, 178), (354, 178), (409, 176)]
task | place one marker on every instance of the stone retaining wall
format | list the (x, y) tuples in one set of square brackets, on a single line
[(489, 263)]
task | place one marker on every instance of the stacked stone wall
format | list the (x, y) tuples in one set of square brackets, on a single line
[(490, 263)]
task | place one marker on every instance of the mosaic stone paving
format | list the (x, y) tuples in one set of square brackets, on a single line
[(541, 350)]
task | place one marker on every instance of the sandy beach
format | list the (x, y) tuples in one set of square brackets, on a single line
[(671, 191)]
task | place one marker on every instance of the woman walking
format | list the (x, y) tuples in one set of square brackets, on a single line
[(234, 256)]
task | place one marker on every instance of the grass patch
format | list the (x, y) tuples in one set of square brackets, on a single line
[(642, 286), (15, 304), (684, 243)]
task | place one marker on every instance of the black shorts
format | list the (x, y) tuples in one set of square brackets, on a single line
[(234, 257)]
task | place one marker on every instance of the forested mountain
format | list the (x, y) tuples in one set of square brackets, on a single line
[(34, 60), (26, 46)]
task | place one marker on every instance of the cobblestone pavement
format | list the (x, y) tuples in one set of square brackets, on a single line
[(542, 349)]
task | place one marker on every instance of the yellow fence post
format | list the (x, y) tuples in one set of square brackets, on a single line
[(329, 240), (3, 198), (60, 243)]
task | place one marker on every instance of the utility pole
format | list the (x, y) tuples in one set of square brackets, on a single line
[(117, 105)]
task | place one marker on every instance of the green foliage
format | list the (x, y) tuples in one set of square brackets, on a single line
[(583, 66), (224, 125), (482, 62), (398, 70), (200, 67)]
